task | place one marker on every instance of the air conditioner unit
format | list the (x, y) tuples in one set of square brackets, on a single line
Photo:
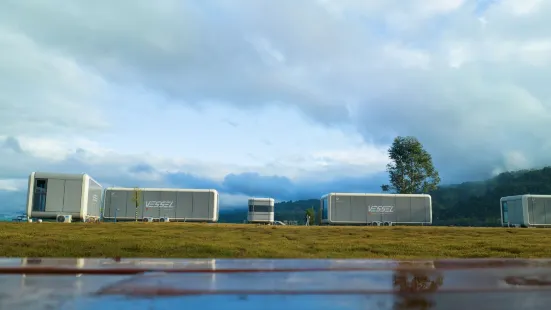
[(164, 219), (148, 219), (64, 218)]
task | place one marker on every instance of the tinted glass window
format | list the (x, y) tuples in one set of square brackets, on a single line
[(255, 208), (39, 199), (505, 210), (324, 208)]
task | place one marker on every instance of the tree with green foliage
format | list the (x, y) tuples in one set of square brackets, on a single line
[(410, 170)]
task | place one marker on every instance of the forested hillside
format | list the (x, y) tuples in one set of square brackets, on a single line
[(477, 203), (470, 203)]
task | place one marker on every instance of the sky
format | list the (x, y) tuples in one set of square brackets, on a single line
[(286, 99)]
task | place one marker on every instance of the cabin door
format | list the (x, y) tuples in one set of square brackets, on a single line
[(39, 195)]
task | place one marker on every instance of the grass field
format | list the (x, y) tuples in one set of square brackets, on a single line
[(186, 240)]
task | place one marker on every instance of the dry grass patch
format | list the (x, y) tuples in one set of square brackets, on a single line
[(187, 240)]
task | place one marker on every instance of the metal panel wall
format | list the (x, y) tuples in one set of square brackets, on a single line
[(384, 208), (158, 204), (260, 216), (131, 209), (54, 195), (402, 209), (342, 208), (177, 205), (151, 208), (115, 200), (372, 203), (95, 192), (515, 211), (333, 208), (539, 210), (72, 194), (211, 208), (185, 205), (107, 202), (168, 210), (419, 207), (201, 202), (358, 209), (388, 201)]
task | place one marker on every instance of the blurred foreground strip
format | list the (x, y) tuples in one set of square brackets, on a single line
[(34, 283)]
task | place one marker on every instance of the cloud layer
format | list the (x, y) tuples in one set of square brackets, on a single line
[(280, 98)]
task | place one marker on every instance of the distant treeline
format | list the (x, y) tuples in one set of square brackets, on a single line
[(465, 204)]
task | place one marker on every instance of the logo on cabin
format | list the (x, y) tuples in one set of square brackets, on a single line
[(94, 201), (381, 209), (159, 204)]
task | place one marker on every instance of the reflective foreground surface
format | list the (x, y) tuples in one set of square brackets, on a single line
[(274, 284)]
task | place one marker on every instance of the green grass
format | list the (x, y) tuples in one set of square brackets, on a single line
[(186, 240)]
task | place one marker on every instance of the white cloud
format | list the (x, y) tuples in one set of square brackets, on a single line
[(406, 57), (13, 185), (42, 91), (311, 90), (523, 7)]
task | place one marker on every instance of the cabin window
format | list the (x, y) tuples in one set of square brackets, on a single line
[(39, 199), (324, 209), (505, 211), (256, 208)]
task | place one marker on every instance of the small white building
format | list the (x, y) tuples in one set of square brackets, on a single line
[(172, 204), (52, 195), (526, 210), (261, 210)]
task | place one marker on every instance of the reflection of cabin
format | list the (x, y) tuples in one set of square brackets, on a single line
[(411, 302), (416, 281), (408, 283), (41, 286), (417, 276), (61, 263), (53, 262)]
